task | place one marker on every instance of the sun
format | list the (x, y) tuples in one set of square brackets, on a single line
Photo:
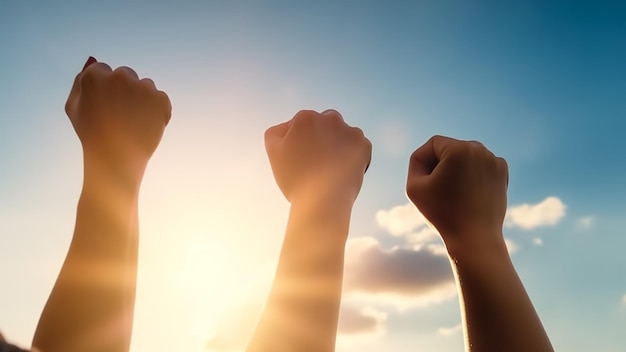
[(219, 286)]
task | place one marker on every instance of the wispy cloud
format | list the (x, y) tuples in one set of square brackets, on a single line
[(529, 216), (537, 241), (585, 222), (447, 331)]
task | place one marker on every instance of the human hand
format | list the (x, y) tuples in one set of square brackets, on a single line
[(118, 117), (460, 187), (317, 153)]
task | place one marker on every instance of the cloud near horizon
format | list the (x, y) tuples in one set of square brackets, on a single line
[(365, 321), (234, 333), (400, 276)]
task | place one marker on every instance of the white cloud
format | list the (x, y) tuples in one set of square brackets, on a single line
[(423, 235), (450, 331), (537, 241), (401, 219), (585, 222), (529, 216), (407, 222)]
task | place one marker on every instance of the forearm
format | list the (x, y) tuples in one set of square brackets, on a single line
[(497, 312), (90, 307), (302, 310)]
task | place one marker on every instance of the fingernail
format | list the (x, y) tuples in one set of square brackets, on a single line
[(90, 61)]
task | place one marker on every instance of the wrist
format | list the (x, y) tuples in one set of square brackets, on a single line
[(326, 190), (320, 216), (476, 249), (117, 176)]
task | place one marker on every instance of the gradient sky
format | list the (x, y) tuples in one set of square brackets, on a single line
[(541, 83)]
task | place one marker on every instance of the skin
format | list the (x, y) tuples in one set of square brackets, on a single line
[(119, 120), (318, 162), (461, 188)]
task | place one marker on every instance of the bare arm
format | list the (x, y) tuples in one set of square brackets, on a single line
[(318, 162), (119, 120), (461, 189)]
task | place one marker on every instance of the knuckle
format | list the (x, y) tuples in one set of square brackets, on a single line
[(503, 164), (87, 77), (127, 71), (333, 114), (304, 116), (268, 132), (358, 132), (414, 155), (436, 138), (368, 146), (99, 66), (271, 132), (167, 104), (148, 82), (165, 98)]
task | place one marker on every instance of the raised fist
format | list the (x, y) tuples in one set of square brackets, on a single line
[(460, 187), (118, 117), (314, 153)]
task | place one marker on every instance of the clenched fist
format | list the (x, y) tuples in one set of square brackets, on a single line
[(118, 117), (318, 153), (460, 187)]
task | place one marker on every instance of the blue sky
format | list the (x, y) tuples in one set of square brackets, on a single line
[(541, 83)]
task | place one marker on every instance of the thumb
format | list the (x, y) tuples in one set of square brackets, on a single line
[(276, 133), (74, 92)]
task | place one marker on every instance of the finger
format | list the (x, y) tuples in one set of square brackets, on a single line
[(75, 90), (332, 112), (334, 116), (99, 66), (279, 131), (423, 160), (91, 60), (92, 75), (127, 70), (149, 83), (275, 134), (165, 99), (477, 144), (504, 166)]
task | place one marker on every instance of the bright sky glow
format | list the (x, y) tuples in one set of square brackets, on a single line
[(542, 83)]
